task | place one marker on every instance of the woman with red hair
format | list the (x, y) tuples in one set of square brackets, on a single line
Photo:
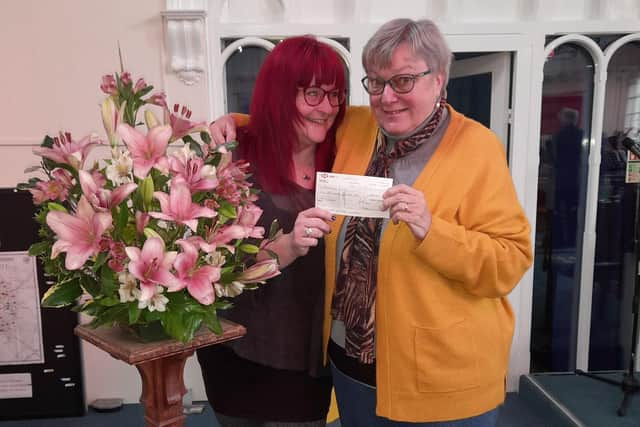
[(275, 375)]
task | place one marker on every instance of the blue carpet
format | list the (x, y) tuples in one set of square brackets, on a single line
[(514, 413), (567, 399)]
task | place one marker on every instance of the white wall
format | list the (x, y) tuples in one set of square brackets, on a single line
[(54, 54)]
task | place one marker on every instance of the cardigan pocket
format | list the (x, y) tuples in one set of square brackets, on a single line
[(446, 359)]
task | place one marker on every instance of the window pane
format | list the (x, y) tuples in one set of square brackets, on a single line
[(614, 270), (241, 70), (567, 96)]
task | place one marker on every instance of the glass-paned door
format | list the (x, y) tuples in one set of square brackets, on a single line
[(615, 260), (567, 97), (479, 87)]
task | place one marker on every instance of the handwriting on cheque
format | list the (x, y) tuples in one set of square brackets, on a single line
[(351, 195)]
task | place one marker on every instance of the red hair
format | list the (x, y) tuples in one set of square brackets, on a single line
[(292, 64)]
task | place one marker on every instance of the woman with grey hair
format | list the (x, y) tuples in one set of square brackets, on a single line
[(417, 323)]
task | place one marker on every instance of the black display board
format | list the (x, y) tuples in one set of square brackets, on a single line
[(56, 384)]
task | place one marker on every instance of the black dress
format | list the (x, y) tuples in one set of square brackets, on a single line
[(275, 372)]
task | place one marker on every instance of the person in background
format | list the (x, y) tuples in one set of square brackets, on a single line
[(274, 375), (417, 326)]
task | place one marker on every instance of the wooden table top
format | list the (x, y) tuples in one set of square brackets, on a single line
[(123, 346)]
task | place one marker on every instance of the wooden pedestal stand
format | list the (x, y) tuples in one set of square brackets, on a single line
[(161, 366)]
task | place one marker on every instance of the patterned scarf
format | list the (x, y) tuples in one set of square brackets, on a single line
[(355, 294)]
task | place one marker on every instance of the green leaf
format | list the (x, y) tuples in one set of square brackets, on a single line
[(248, 248), (117, 313), (227, 209), (108, 281), (100, 260), (129, 234), (193, 145), (108, 301), (273, 229), (91, 308), (122, 219), (191, 324), (47, 142), (90, 285), (134, 313), (142, 92), (229, 145), (205, 137), (62, 294), (172, 323), (38, 248), (53, 206), (213, 323)]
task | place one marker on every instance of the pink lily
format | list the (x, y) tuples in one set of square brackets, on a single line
[(68, 152), (146, 150), (78, 235), (151, 266), (259, 272), (100, 197), (198, 281), (181, 125), (197, 175), (178, 206), (142, 219)]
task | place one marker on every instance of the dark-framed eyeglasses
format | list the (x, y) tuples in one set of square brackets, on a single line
[(313, 96), (400, 83)]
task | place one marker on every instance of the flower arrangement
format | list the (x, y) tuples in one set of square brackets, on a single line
[(159, 234)]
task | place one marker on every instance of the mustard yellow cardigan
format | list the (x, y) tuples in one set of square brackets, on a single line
[(443, 322)]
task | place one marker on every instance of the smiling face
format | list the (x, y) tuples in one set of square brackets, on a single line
[(399, 114), (315, 121)]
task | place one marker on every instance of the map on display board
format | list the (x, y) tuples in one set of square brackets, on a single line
[(20, 322)]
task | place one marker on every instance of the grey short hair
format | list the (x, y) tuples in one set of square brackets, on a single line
[(423, 37)]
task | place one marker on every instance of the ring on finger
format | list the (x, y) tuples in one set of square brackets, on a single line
[(308, 231)]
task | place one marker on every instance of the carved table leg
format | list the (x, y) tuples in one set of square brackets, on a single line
[(162, 390)]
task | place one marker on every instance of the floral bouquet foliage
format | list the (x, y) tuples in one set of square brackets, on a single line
[(155, 233)]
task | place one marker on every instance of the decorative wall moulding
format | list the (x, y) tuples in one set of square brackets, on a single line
[(186, 43)]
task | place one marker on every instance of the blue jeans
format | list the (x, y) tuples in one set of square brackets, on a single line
[(357, 407)]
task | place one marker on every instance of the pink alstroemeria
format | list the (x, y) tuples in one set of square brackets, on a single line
[(54, 189), (198, 280), (68, 152), (259, 272), (146, 150), (100, 197), (78, 235), (181, 125), (177, 206), (197, 175), (233, 185), (248, 216), (151, 266)]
